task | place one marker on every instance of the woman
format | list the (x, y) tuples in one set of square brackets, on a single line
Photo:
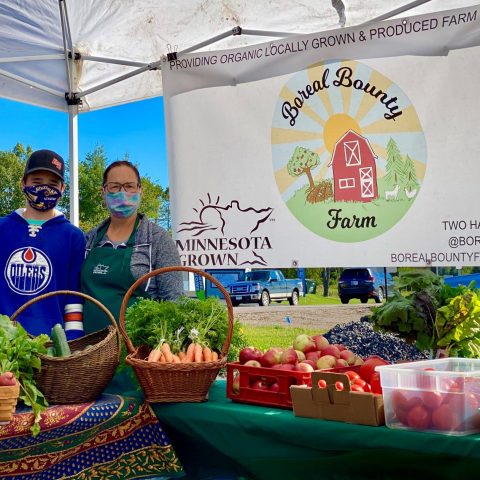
[(123, 248)]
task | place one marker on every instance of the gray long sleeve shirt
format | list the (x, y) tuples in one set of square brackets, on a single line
[(153, 248)]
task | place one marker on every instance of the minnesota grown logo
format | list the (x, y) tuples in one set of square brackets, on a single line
[(224, 234), (349, 153)]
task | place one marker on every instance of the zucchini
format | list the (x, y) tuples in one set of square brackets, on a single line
[(62, 349)]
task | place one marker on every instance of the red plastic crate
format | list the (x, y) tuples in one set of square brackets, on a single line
[(249, 375)]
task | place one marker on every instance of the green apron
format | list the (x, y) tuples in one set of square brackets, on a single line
[(106, 276)]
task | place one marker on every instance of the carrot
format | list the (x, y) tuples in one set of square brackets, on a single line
[(182, 355), (154, 355), (167, 352), (214, 356), (162, 359), (207, 354), (190, 355), (176, 359), (198, 353)]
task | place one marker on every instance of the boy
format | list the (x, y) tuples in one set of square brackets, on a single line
[(41, 252)]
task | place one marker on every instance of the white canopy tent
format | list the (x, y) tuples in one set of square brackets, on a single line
[(81, 55)]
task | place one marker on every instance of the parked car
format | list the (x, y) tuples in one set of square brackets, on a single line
[(364, 283), (263, 286)]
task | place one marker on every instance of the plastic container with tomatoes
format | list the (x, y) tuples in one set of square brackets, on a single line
[(436, 396)]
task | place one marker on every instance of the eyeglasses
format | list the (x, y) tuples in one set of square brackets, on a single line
[(114, 187)]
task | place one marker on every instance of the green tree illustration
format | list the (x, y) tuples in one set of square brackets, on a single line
[(411, 180), (395, 169), (302, 161)]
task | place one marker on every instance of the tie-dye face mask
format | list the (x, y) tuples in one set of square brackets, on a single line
[(122, 204)]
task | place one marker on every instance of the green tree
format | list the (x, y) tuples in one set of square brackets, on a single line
[(395, 170), (165, 217), (12, 167), (302, 162), (411, 180), (90, 173)]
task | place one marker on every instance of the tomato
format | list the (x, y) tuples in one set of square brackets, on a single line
[(375, 383), (362, 383), (274, 387), (352, 375), (432, 400), (322, 383), (339, 386), (356, 388), (419, 417), (446, 418), (260, 385), (366, 370)]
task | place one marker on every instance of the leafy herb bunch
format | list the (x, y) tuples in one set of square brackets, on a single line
[(181, 322), (18, 354), (433, 315)]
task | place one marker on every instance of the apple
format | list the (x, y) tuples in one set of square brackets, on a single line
[(300, 355), (313, 356), (330, 350), (273, 356), (236, 384), (249, 353), (304, 343), (284, 366), (274, 387), (252, 363), (358, 361), (320, 341), (340, 363), (7, 379), (289, 355), (340, 346), (348, 356), (260, 385), (327, 361), (311, 363), (304, 367)]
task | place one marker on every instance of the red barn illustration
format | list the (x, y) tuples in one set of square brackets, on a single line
[(354, 169)]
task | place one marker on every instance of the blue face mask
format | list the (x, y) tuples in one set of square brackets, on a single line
[(42, 197), (122, 204)]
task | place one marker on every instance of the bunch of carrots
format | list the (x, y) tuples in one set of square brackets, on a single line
[(195, 353)]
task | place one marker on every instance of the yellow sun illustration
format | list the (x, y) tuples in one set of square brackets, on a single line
[(336, 126)]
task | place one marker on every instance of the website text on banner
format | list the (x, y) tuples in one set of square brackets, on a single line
[(350, 147)]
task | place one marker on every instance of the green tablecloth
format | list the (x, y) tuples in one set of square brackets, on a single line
[(219, 439)]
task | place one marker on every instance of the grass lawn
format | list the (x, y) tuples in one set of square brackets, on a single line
[(274, 336)]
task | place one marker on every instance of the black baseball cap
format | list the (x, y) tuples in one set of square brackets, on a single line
[(46, 160)]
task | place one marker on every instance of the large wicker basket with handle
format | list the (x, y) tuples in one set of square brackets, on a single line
[(174, 382), (83, 375)]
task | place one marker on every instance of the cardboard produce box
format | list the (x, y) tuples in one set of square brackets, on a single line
[(330, 404)]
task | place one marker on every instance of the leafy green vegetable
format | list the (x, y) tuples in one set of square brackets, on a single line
[(181, 322), (18, 354), (432, 314)]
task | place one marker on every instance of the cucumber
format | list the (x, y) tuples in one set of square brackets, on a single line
[(51, 351), (62, 349)]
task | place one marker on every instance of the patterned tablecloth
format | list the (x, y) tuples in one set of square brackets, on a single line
[(112, 438)]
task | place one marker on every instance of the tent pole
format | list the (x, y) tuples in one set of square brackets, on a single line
[(73, 163)]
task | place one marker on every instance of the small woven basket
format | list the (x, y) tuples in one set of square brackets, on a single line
[(174, 382), (8, 402), (83, 375)]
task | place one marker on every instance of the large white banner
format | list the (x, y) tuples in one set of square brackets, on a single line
[(350, 147)]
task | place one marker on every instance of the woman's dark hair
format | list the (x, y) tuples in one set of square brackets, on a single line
[(121, 163)]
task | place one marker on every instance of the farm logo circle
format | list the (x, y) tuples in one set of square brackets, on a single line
[(348, 150)]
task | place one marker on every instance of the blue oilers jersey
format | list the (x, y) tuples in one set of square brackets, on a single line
[(37, 259)]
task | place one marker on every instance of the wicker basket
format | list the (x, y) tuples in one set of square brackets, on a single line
[(8, 402), (174, 382), (82, 376)]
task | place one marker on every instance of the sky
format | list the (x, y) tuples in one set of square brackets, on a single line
[(136, 128)]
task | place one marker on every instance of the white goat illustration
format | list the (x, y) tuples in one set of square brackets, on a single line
[(392, 194), (410, 193)]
